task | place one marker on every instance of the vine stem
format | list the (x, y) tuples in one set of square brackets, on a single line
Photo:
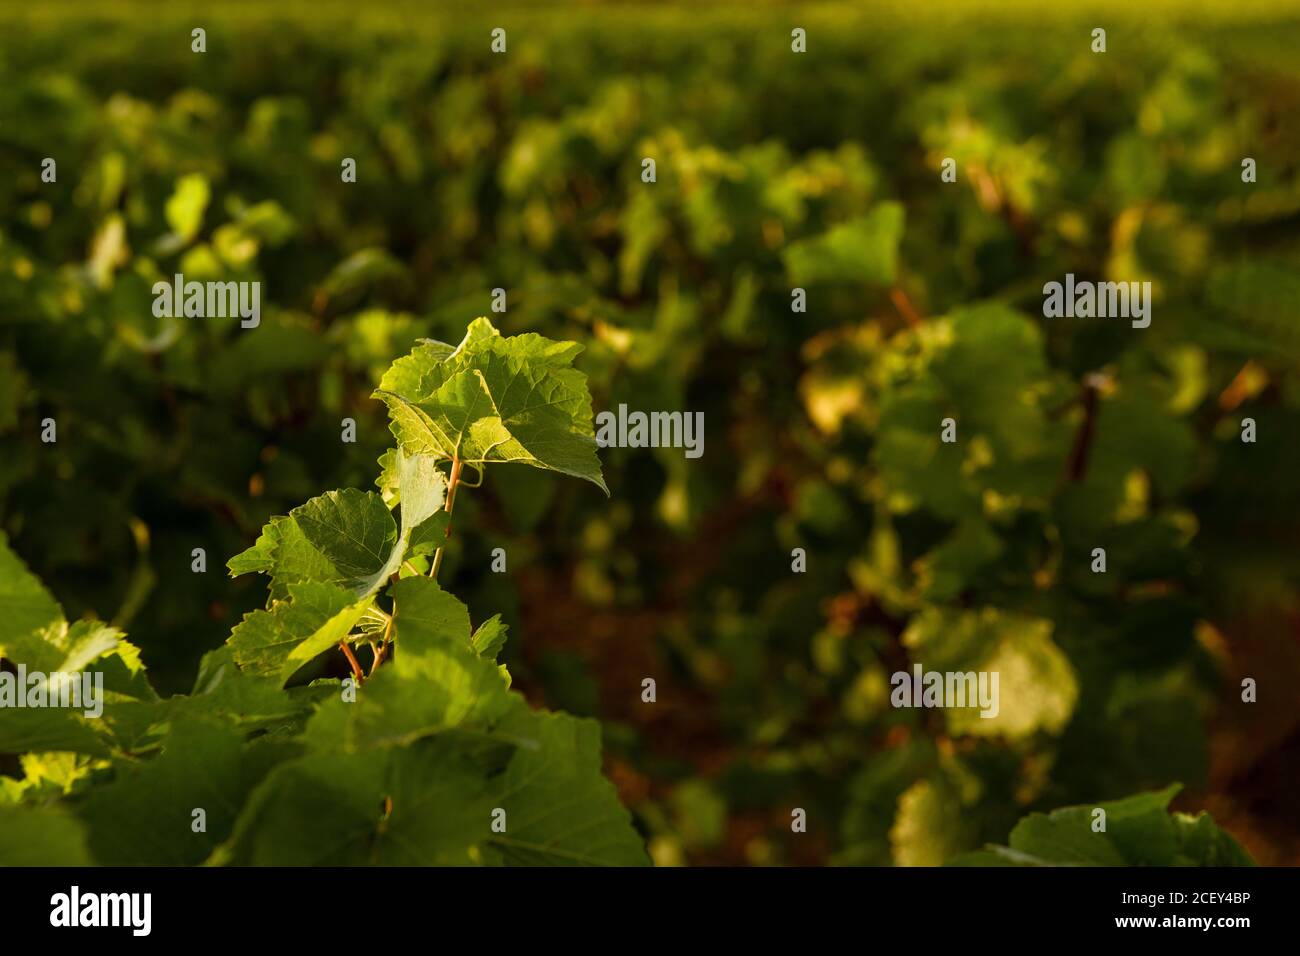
[(904, 306), (352, 662), (383, 646), (1083, 441), (453, 482)]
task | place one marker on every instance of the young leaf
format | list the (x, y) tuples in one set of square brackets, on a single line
[(262, 642), (331, 633), (349, 538), (490, 637), (498, 399), (354, 531)]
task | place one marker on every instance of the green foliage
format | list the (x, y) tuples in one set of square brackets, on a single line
[(494, 399), (427, 758), (860, 250), (1138, 831), (1037, 686), (521, 172)]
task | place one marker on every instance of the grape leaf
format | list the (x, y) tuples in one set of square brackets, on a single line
[(28, 606), (184, 210), (930, 824), (436, 679), (861, 250), (498, 399), (560, 810), (242, 699), (145, 816), (1138, 832), (39, 729), (349, 538), (490, 637), (423, 805), (1037, 687), (41, 836), (354, 531), (1201, 842), (262, 641)]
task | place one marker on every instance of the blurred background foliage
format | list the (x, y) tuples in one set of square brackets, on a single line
[(775, 170)]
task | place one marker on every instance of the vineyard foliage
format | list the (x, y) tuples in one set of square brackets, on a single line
[(523, 172), (421, 756)]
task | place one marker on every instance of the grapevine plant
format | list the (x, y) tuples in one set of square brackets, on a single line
[(423, 755)]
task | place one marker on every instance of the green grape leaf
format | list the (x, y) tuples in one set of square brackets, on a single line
[(39, 729), (983, 367), (405, 375), (996, 856), (490, 638), (1201, 842), (262, 642), (930, 825), (84, 647), (314, 618), (436, 679), (861, 250), (560, 809), (349, 538), (354, 531), (63, 648), (28, 606), (87, 650), (185, 208), (429, 536), (1139, 831), (498, 399), (328, 635), (1036, 688), (241, 698), (46, 777), (41, 836), (427, 616), (423, 805), (146, 815), (283, 552), (423, 495)]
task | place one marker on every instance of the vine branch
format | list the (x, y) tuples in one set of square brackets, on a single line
[(453, 482), (352, 662), (1083, 440)]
